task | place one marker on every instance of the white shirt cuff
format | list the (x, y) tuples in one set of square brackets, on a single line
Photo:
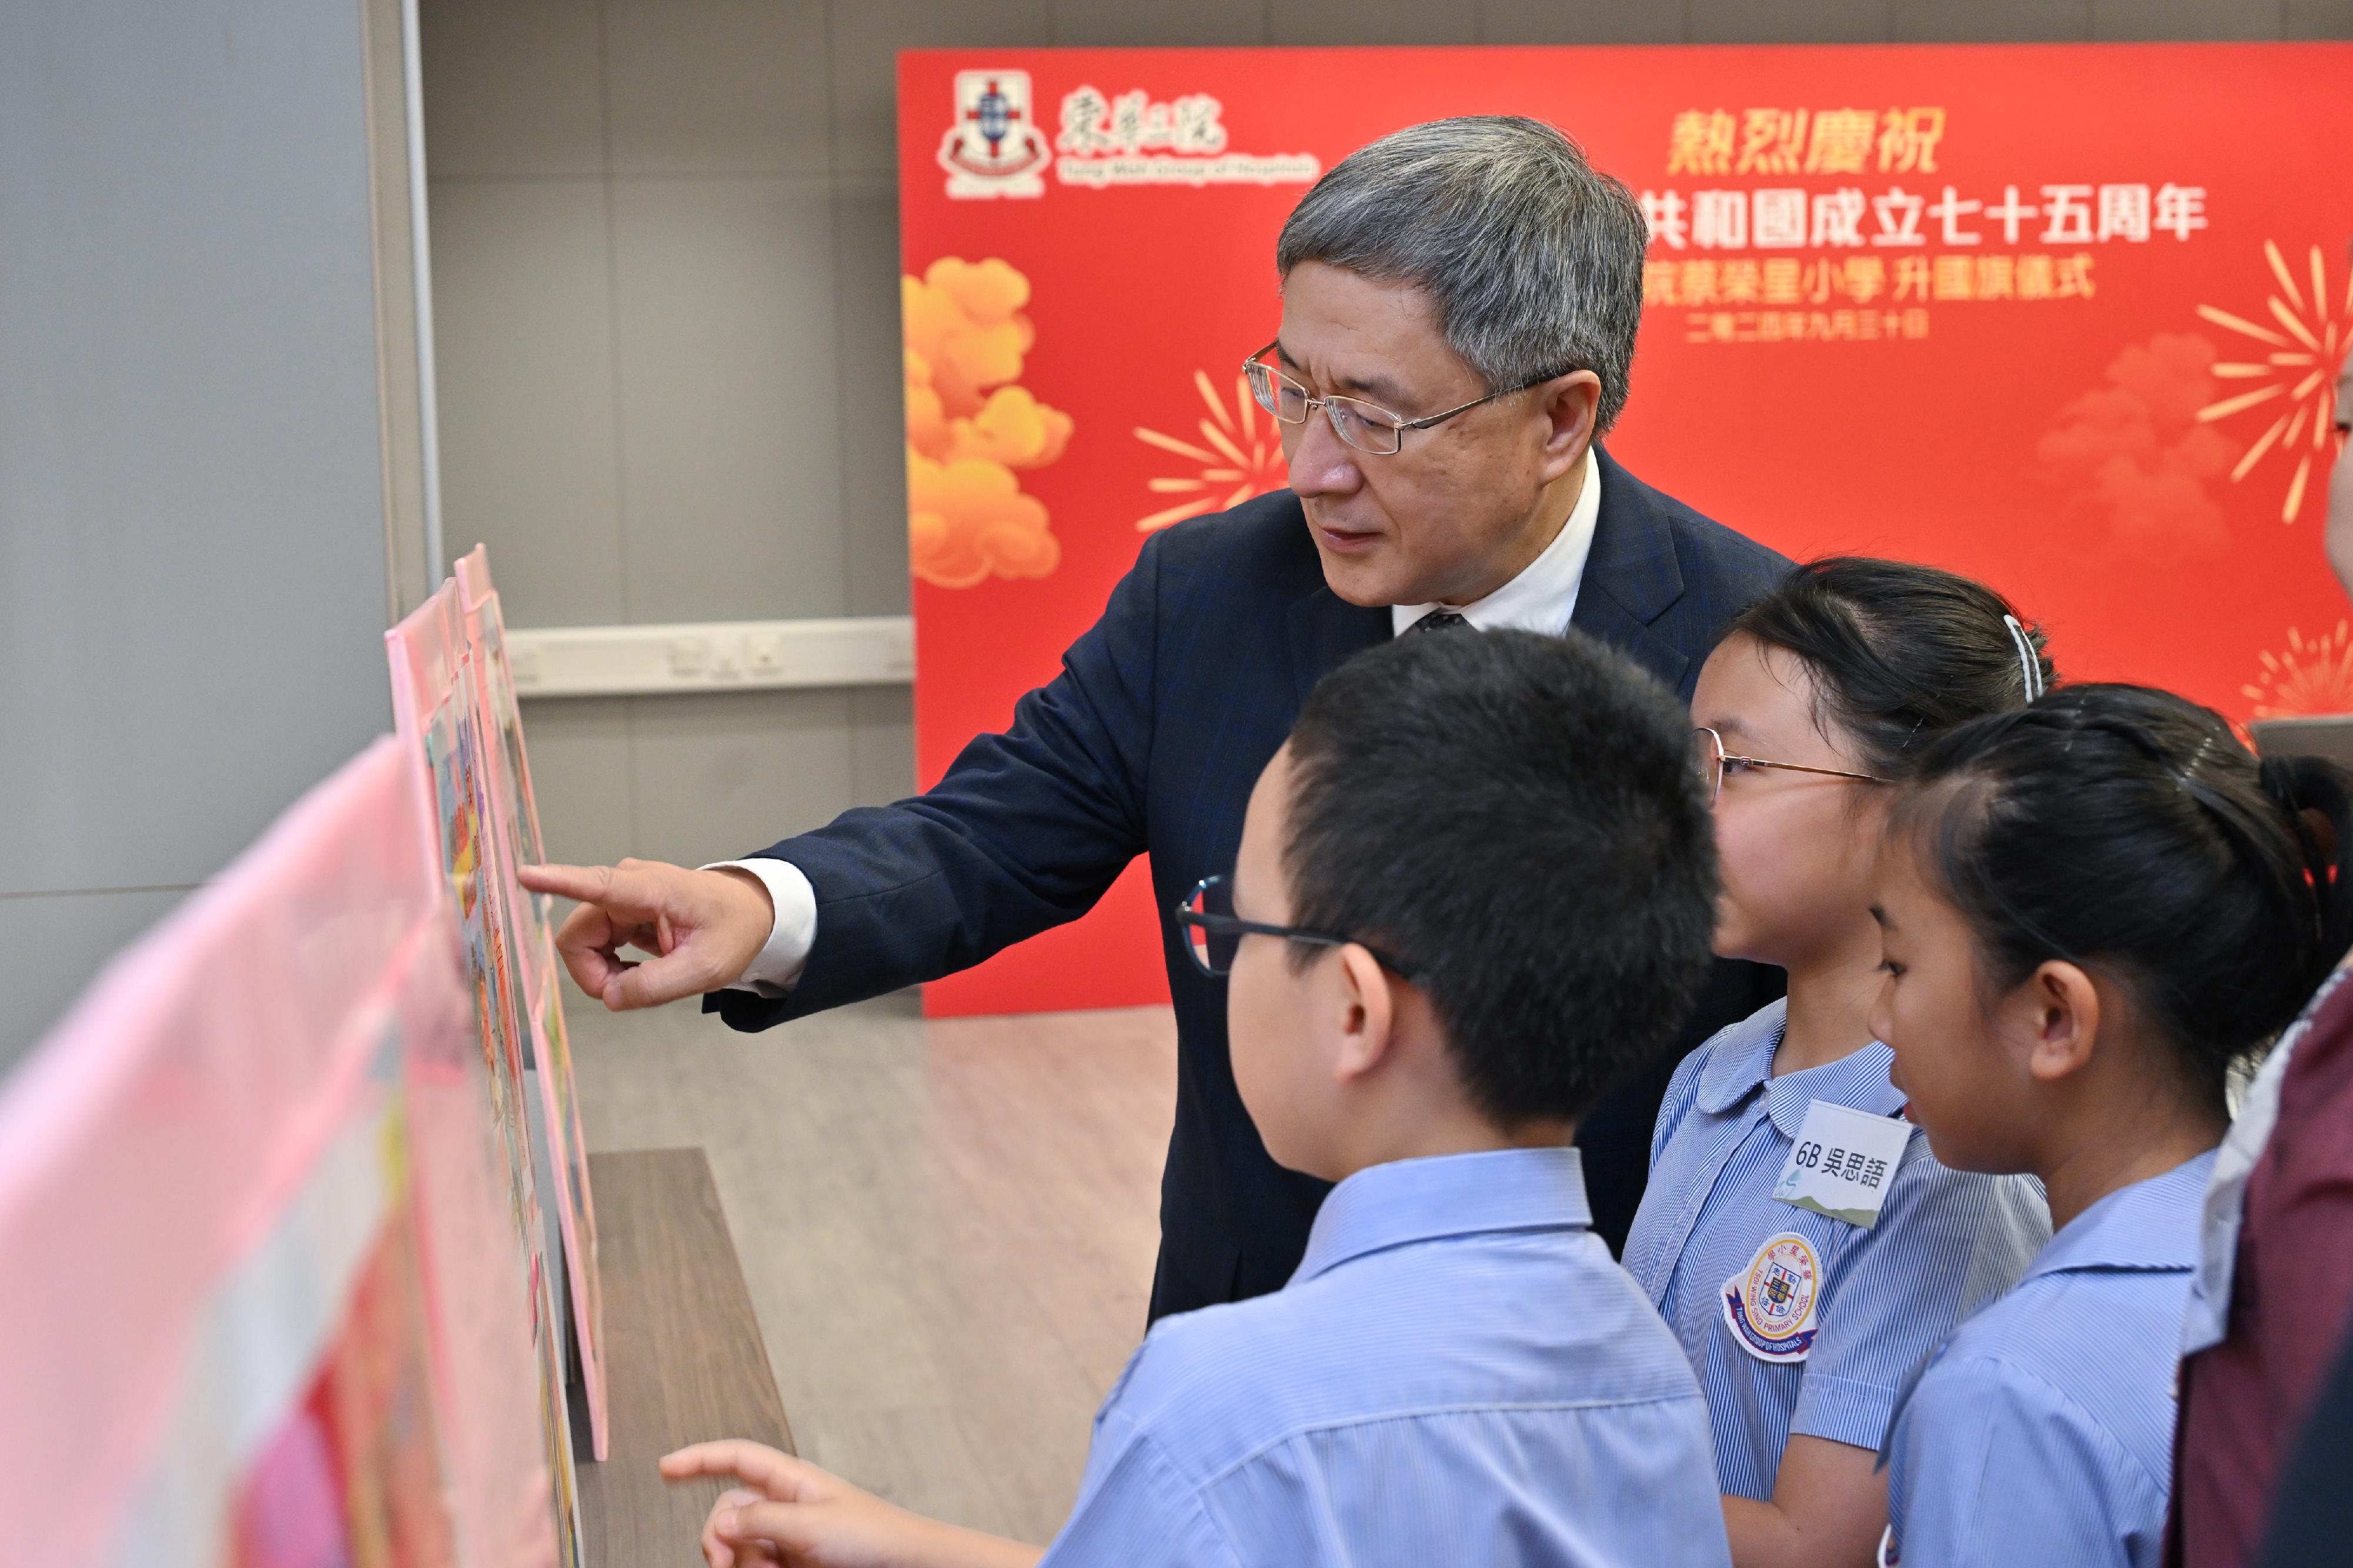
[(777, 968)]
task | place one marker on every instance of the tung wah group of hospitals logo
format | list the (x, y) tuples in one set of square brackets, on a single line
[(995, 147)]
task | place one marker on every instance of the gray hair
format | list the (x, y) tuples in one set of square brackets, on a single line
[(1532, 255)]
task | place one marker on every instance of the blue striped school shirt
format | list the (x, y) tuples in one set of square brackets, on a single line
[(2041, 1435), (1456, 1374), (1945, 1241)]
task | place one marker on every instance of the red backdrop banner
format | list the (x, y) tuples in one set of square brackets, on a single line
[(2065, 317)]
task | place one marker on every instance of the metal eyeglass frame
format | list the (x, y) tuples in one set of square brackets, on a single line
[(1722, 756), (1235, 926), (1262, 376)]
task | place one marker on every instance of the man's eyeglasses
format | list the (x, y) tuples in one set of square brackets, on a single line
[(1367, 427), (1213, 933), (1712, 760)]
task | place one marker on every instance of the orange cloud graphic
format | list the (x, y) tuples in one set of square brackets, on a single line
[(967, 521), (2136, 450), (968, 426)]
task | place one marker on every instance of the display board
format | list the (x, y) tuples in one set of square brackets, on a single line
[(504, 772), (2061, 317), (438, 708), (264, 1306)]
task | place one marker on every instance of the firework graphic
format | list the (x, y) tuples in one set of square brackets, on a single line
[(1242, 457), (2310, 676), (2307, 340)]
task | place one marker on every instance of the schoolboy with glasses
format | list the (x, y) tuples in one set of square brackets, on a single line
[(1474, 888)]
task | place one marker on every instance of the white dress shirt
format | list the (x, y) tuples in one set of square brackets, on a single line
[(1540, 599)]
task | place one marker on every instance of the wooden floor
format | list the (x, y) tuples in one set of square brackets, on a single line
[(948, 1228)]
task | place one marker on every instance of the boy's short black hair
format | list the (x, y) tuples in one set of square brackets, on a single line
[(1516, 819)]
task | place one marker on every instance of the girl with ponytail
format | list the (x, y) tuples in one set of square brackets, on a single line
[(2090, 909), (1797, 1235)]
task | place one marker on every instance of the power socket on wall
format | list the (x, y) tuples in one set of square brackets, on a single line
[(715, 655)]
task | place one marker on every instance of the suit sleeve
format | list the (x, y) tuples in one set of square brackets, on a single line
[(1025, 831)]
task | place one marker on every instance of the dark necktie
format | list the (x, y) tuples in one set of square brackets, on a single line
[(1438, 621)]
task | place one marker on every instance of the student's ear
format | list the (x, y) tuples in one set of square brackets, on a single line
[(1368, 1014), (2062, 1014)]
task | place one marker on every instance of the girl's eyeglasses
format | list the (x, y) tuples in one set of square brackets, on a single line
[(1710, 759), (1213, 933)]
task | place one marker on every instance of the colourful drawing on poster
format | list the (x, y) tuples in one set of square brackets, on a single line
[(454, 754), (503, 796)]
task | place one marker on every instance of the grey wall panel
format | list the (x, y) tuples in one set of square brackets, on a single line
[(1785, 21), (2316, 19), (192, 539), (55, 944), (580, 777), (1577, 22), (729, 406), (1989, 21), (2155, 19), (867, 38), (523, 331), (716, 87), (514, 86), (873, 414), (882, 743), (1308, 22), (719, 776), (1200, 24)]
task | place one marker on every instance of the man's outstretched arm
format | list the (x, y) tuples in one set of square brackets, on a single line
[(1025, 831)]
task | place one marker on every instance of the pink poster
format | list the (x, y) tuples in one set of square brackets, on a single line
[(434, 706), (230, 1355), (512, 839)]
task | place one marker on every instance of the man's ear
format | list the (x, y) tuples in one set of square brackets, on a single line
[(1368, 1014), (2061, 1009), (1569, 403)]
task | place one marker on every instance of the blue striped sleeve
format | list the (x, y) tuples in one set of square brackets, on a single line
[(1946, 1241), (1994, 1467), (1134, 1509)]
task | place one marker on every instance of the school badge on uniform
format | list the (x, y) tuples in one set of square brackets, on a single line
[(1769, 1305)]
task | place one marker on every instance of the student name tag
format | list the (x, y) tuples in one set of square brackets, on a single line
[(1843, 1163)]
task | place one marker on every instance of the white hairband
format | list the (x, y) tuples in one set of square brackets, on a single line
[(2029, 669)]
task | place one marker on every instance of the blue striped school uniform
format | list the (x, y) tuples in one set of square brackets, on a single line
[(1945, 1241), (2041, 1433), (1456, 1374)]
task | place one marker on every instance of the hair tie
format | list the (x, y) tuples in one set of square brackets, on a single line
[(2029, 669)]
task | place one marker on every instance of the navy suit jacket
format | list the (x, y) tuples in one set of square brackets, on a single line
[(1149, 742)]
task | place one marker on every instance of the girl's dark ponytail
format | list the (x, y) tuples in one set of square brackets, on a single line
[(2127, 830)]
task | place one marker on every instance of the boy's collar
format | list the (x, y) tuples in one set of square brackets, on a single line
[(1408, 1201), (1740, 1059)]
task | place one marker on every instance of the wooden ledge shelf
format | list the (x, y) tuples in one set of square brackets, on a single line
[(682, 1351)]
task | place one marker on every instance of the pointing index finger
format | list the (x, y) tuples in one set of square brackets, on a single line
[(586, 884), (774, 1473)]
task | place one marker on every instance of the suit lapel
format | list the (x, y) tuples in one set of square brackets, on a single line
[(1630, 575), (1325, 629)]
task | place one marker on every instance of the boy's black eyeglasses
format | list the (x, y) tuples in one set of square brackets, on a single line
[(1213, 933)]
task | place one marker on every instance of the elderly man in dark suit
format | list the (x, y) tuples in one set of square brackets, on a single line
[(1460, 302)]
